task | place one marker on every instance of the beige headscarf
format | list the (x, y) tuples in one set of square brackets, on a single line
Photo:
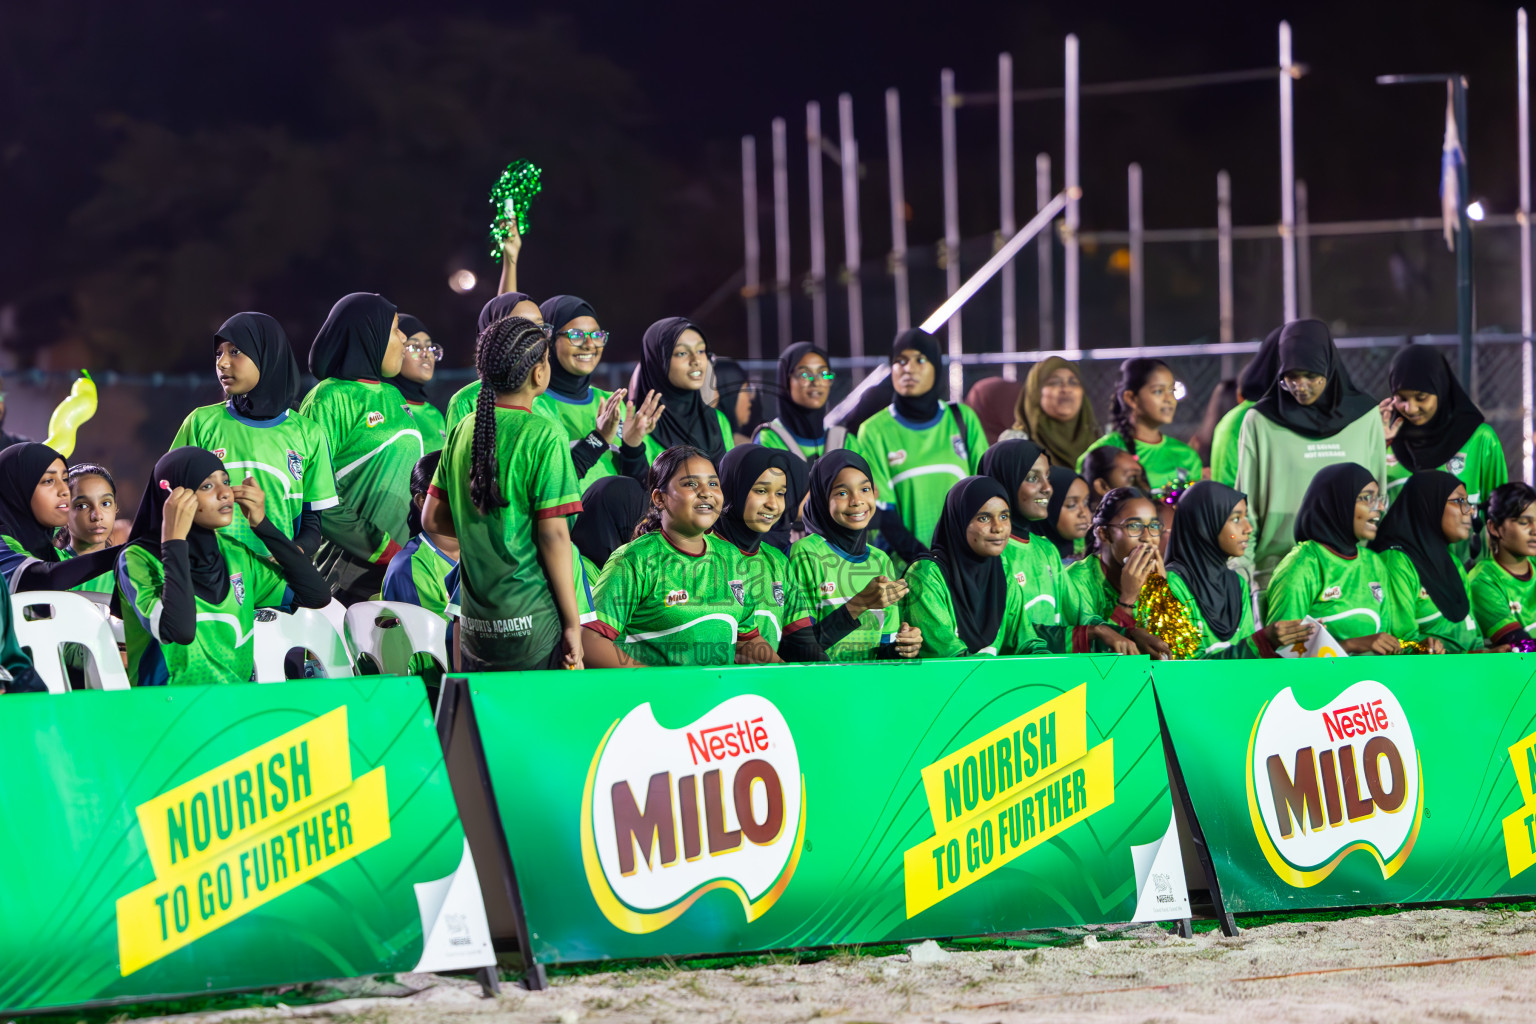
[(1063, 442)]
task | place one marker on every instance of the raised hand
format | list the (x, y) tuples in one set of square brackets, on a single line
[(1390, 424), (176, 518), (608, 414), (1141, 563), (638, 423)]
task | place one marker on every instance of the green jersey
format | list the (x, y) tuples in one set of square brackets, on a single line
[(1275, 467), (1224, 445), (1162, 462), (822, 577), (812, 450), (662, 605), (577, 419), (462, 403), (932, 610), (1093, 594), (915, 464), (1352, 597), (107, 581), (375, 443), (1245, 643), (1052, 603), (1501, 601), (419, 575), (287, 456), (765, 572), (1479, 465), (222, 651), (653, 447), (434, 429), (1408, 592), (509, 614)]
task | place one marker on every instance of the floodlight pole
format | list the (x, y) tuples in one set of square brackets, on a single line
[(752, 286), (1463, 231), (818, 278), (1287, 177), (781, 230), (1006, 224), (898, 257)]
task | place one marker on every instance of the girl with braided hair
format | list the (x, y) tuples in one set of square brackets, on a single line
[(1142, 405), (503, 489)]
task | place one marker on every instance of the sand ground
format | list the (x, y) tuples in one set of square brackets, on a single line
[(1138, 974)]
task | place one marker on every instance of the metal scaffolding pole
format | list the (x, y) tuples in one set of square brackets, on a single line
[(951, 224), (752, 286), (1303, 253), (898, 260), (1224, 254), (1073, 188), (1006, 225), (1527, 399), (781, 231), (818, 279), (1047, 279), (1138, 258), (1287, 177), (848, 149)]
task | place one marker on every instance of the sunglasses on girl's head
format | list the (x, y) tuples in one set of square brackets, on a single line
[(810, 375)]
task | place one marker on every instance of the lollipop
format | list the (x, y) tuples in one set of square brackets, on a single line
[(510, 197), (71, 414)]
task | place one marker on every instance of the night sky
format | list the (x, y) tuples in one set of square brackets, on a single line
[(703, 74)]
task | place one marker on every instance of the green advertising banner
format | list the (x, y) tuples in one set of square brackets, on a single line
[(1341, 782), (174, 840), (654, 812)]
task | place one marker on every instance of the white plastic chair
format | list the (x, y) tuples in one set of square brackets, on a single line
[(391, 644), (45, 620), (276, 633), (336, 614)]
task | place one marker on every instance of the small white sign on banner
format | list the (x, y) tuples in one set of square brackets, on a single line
[(1322, 644)]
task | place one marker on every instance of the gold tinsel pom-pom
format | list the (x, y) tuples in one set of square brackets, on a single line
[(1412, 647), (1165, 617)]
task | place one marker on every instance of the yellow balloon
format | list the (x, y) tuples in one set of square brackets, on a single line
[(71, 414)]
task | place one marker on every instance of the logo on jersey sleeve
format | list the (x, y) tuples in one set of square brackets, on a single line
[(675, 598), (237, 584), (1332, 594), (739, 589), (296, 465), (1376, 591), (1456, 463), (778, 592), (896, 457), (373, 419)]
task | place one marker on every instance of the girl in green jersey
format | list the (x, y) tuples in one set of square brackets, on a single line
[(755, 483), (1430, 516), (674, 365), (503, 489), (1437, 426), (92, 514), (511, 303), (676, 594), (1033, 565), (1334, 578), (255, 430), (1068, 516), (845, 585), (1503, 586), (1213, 528), (918, 446), (422, 355), (1107, 468), (374, 442), (34, 505), (189, 590), (1142, 405), (961, 597), (1122, 553)]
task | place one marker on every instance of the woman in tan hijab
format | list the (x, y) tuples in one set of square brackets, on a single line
[(1051, 412)]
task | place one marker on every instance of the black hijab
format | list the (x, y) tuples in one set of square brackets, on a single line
[(499, 307), (1327, 513), (1412, 526), (1422, 368), (557, 312), (817, 517), (1307, 345), (739, 470), (806, 424), (924, 407), (413, 390), (1195, 554), (352, 341), (1061, 483), (265, 342), (978, 586), (1009, 462), (21, 467), (184, 467), (1263, 369), (609, 511), (730, 379), (687, 419)]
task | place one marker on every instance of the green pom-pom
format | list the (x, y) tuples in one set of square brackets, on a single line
[(510, 197)]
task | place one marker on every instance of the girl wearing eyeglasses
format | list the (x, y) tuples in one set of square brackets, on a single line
[(1430, 516), (607, 433), (256, 432), (918, 446), (1122, 554), (1332, 576), (420, 363), (1503, 585)]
